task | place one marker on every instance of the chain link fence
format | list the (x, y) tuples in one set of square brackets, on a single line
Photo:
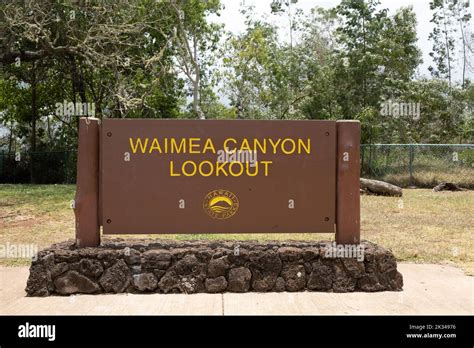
[(421, 165)]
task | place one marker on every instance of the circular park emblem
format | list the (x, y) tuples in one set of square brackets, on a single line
[(220, 204)]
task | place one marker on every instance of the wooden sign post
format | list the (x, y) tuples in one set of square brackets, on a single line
[(86, 202), (348, 186)]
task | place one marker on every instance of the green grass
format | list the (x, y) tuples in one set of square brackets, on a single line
[(423, 226), (35, 214)]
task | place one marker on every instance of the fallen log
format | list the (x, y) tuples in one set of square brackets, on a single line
[(382, 188), (447, 186)]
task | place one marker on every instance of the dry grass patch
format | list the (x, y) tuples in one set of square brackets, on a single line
[(423, 226)]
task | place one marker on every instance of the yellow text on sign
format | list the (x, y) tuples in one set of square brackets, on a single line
[(287, 146)]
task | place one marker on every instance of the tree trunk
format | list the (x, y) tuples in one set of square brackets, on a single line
[(197, 83), (376, 187), (10, 137), (50, 135), (446, 39), (81, 86), (196, 97), (464, 56), (447, 186), (34, 113), (74, 82)]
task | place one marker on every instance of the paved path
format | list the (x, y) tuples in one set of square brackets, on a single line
[(429, 289)]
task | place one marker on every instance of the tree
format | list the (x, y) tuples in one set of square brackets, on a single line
[(247, 60), (359, 56), (443, 41), (463, 17), (452, 30), (116, 54), (376, 58), (87, 42), (319, 38), (195, 41)]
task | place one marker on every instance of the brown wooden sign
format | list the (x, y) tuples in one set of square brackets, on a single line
[(216, 176), (172, 176)]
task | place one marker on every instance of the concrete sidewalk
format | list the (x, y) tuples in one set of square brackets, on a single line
[(428, 289)]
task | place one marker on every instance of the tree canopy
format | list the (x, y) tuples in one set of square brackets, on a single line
[(169, 59)]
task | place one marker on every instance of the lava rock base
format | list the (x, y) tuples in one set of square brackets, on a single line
[(151, 266)]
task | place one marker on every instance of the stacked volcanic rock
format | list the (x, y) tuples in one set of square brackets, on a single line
[(209, 266)]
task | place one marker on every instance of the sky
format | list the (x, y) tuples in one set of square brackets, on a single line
[(234, 21)]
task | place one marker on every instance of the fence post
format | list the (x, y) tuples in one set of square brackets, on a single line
[(86, 203), (410, 163), (348, 183)]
